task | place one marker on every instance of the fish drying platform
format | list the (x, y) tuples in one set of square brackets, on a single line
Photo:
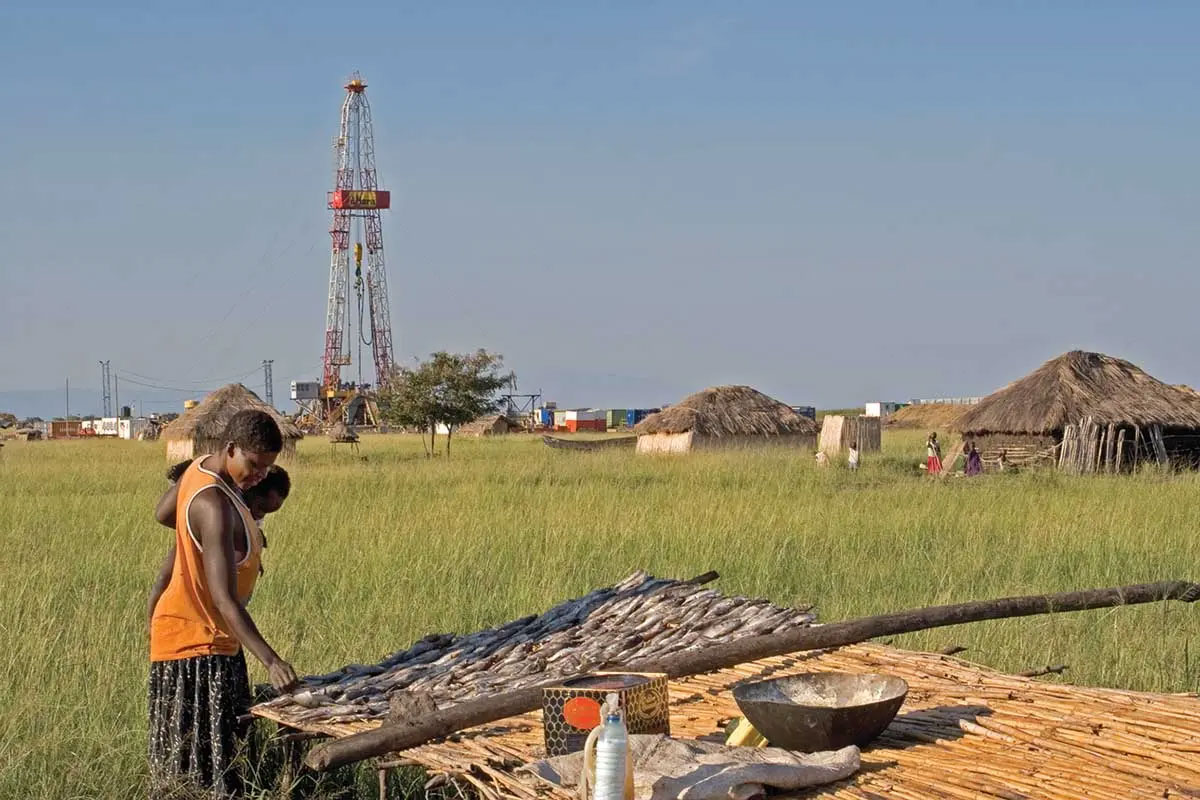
[(965, 731)]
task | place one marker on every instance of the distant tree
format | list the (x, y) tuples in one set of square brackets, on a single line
[(407, 400), (449, 389), (7, 420), (466, 387)]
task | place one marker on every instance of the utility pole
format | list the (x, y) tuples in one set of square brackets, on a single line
[(116, 395), (68, 404), (268, 382), (106, 388)]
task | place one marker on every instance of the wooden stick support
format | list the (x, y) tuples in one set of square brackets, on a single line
[(414, 732)]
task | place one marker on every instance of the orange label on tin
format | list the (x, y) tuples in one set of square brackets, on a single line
[(582, 713)]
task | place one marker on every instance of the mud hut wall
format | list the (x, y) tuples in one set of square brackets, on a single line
[(180, 450), (665, 442), (741, 442)]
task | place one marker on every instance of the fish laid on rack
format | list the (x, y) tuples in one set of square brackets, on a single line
[(639, 617)]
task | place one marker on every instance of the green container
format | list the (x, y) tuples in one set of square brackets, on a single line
[(616, 417)]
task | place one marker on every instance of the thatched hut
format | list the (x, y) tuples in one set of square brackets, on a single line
[(491, 425), (199, 429), (1087, 412), (724, 416)]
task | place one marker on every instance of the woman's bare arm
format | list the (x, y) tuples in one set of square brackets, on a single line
[(165, 512), (215, 521)]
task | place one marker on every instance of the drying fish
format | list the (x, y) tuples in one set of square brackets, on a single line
[(640, 617)]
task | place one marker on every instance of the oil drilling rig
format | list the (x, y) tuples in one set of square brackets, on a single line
[(356, 202)]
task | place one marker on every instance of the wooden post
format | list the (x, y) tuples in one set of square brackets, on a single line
[(1109, 454), (404, 734), (383, 776), (1160, 447), (1065, 448), (1137, 446), (1120, 449)]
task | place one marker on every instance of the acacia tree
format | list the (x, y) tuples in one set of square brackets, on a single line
[(466, 387), (406, 400), (450, 389)]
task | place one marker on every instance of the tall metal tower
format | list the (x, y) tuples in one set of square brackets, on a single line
[(356, 201), (268, 382), (106, 388)]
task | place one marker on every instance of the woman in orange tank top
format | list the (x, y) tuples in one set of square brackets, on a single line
[(199, 622)]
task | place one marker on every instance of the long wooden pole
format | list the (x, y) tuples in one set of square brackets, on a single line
[(412, 733)]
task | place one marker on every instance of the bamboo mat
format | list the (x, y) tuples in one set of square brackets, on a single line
[(965, 732)]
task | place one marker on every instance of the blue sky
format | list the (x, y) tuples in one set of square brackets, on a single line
[(833, 202)]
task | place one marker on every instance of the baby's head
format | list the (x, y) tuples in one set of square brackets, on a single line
[(267, 496), (176, 472)]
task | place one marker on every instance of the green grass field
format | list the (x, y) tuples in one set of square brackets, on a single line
[(370, 554)]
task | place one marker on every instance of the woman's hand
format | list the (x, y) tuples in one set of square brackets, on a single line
[(283, 677)]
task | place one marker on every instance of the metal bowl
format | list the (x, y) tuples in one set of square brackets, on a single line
[(821, 710)]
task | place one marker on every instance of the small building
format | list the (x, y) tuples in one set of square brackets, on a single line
[(199, 430), (724, 417), (1087, 412), (490, 425), (616, 418), (881, 409), (839, 432)]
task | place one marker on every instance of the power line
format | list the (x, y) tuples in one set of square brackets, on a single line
[(185, 390), (207, 381)]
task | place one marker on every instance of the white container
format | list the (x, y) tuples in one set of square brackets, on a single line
[(880, 409), (130, 428)]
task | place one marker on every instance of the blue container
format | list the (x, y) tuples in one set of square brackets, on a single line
[(806, 411), (631, 417)]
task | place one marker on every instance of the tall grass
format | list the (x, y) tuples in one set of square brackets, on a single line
[(371, 553)]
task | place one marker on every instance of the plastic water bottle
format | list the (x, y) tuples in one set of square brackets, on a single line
[(614, 768)]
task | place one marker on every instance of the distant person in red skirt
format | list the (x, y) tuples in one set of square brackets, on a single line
[(933, 455)]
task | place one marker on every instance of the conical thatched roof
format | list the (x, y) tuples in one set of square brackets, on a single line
[(486, 425), (1076, 385), (728, 411), (207, 421)]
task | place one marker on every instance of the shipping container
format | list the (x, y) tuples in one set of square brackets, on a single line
[(132, 428), (880, 409), (587, 415), (636, 415), (560, 420), (596, 425), (806, 411), (62, 429), (105, 427), (616, 417)]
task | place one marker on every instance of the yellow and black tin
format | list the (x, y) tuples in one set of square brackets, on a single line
[(570, 711)]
